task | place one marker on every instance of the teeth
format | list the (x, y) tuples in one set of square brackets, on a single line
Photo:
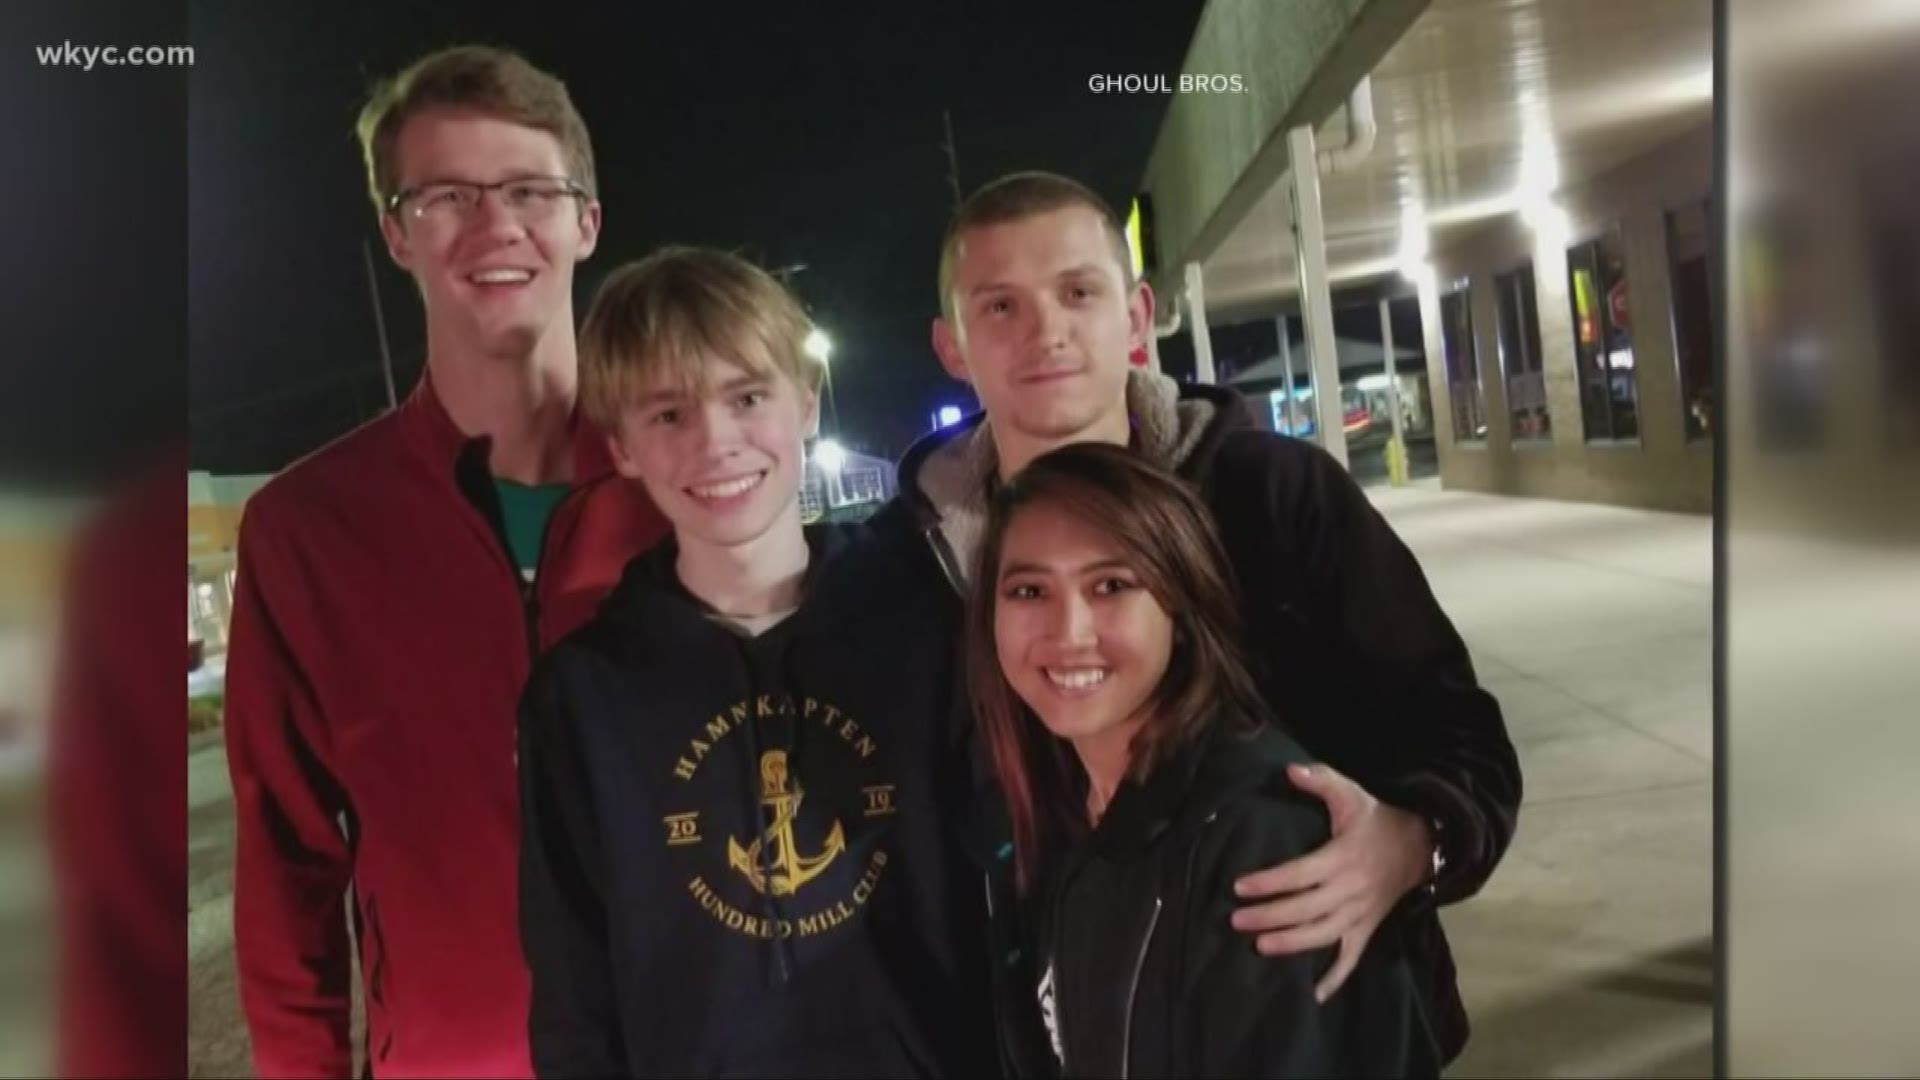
[(501, 277), (727, 490), (1077, 678)]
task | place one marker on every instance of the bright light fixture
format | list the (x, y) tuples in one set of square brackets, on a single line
[(1415, 244), (818, 345), (829, 456)]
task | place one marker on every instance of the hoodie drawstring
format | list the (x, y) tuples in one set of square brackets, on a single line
[(772, 910)]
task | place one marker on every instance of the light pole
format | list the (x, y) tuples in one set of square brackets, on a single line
[(820, 347)]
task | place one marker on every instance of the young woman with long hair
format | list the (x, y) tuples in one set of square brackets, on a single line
[(1142, 774)]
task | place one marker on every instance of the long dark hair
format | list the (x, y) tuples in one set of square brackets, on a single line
[(1166, 536)]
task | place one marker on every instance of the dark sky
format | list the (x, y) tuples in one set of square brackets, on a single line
[(797, 133), (92, 273)]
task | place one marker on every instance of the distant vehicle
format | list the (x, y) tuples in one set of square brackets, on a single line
[(1356, 412), (1358, 415)]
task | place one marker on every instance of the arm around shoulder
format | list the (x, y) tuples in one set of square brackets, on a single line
[(1247, 1014), (1425, 736)]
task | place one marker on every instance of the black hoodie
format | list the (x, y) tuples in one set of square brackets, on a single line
[(737, 858), (1350, 647)]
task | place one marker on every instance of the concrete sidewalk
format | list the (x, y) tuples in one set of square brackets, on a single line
[(1590, 951)]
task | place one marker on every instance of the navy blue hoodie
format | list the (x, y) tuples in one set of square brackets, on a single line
[(738, 854)]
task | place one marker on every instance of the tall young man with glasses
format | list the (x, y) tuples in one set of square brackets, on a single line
[(394, 588)]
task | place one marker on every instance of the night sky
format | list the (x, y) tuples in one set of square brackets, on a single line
[(793, 133), (92, 273)]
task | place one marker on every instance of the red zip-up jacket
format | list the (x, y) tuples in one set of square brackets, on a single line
[(380, 636)]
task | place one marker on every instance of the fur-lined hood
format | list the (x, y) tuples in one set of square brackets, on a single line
[(944, 477)]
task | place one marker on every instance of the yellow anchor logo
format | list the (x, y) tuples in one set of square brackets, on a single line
[(787, 870)]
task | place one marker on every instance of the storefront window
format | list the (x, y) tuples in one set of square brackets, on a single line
[(1519, 323), (1692, 258), (1603, 337), (1463, 366)]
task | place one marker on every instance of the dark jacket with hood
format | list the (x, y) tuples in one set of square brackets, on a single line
[(1146, 977), (736, 858), (1344, 635)]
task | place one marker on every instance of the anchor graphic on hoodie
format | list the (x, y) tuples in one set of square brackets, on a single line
[(787, 870)]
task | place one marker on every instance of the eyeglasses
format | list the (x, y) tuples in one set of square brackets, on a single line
[(528, 199)]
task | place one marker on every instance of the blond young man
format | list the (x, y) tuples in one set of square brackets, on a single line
[(740, 779)]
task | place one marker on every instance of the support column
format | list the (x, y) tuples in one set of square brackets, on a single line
[(1197, 314), (1316, 297), (1397, 442), (1286, 364)]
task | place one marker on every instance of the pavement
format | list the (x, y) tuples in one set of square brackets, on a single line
[(216, 1035), (209, 678), (1589, 953)]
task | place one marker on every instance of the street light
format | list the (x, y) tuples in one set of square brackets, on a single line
[(819, 346)]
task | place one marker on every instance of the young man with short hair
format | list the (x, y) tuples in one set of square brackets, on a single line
[(742, 780), (394, 588), (1039, 312)]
